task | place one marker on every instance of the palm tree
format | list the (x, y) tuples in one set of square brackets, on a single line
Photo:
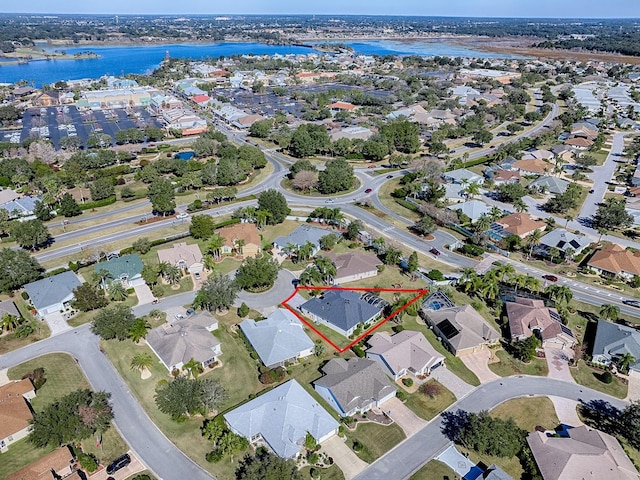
[(163, 268), (472, 189), (569, 253), (482, 224), (504, 270), (610, 312), (560, 293), (494, 214), (468, 280), (261, 218), (139, 329), (209, 262), (625, 361), (9, 322), (519, 281), (214, 245), (553, 253), (117, 291), (310, 276), (306, 250), (568, 218), (141, 361), (173, 274), (102, 276), (532, 283), (490, 289), (193, 368), (379, 244), (238, 244), (326, 268), (534, 239), (520, 206)]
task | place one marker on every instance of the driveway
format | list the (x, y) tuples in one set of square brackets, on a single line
[(408, 421), (478, 363), (280, 291), (143, 292), (57, 323), (450, 380), (134, 467), (634, 386), (566, 411), (459, 463), (558, 363), (350, 464)]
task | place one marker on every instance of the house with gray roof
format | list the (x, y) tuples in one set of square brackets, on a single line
[(278, 339), (177, 343), (563, 240), (406, 352), (21, 207), (494, 472), (7, 307), (343, 310), (126, 269), (281, 419), (474, 209), (354, 266), (53, 294), (546, 183), (461, 176), (613, 341), (301, 235), (354, 386)]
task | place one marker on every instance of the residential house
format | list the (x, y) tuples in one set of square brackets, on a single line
[(501, 176), (15, 411), (531, 317), (243, 237), (354, 266), (343, 310), (406, 352), (53, 294), (540, 154), (281, 418), (7, 307), (462, 329), (57, 465), (494, 472), (579, 143), (532, 166), (21, 207), (565, 152), (300, 236), (473, 209), (7, 195), (583, 454), (613, 341), (484, 73), (521, 224), (352, 133), (126, 269), (278, 339), (187, 257), (453, 192), (462, 176), (546, 183), (354, 386), (177, 343), (563, 240), (342, 107), (635, 179), (614, 261)]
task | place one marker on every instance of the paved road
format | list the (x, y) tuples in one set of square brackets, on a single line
[(411, 454), (153, 448)]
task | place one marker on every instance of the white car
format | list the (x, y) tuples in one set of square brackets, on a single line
[(182, 215), (329, 200)]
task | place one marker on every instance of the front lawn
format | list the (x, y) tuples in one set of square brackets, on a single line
[(9, 341), (375, 439), (509, 365), (19, 455), (522, 411), (427, 407), (591, 377), (331, 473), (434, 470)]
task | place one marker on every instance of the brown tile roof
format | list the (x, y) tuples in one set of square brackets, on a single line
[(534, 165), (59, 461), (520, 223), (15, 413), (614, 259), (12, 389), (505, 175), (578, 142), (343, 106), (245, 231), (190, 254), (526, 315), (353, 263)]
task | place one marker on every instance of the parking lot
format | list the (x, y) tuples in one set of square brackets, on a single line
[(53, 123)]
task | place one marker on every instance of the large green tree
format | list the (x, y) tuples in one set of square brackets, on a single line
[(31, 234), (257, 273), (101, 189), (218, 292), (275, 203), (336, 177), (88, 297), (202, 226), (183, 397), (162, 196), (612, 215), (267, 466), (68, 206), (18, 268), (113, 322)]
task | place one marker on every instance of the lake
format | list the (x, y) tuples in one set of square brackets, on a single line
[(140, 59)]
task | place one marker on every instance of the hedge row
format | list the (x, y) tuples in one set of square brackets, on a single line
[(98, 203), (411, 206)]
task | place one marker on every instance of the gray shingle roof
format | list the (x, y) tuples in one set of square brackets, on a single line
[(552, 184), (616, 340), (129, 265), (304, 234), (278, 338), (562, 239), (8, 307), (356, 382), (343, 308), (51, 290), (282, 416), (464, 325)]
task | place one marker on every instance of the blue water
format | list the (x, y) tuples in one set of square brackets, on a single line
[(125, 59), (185, 155)]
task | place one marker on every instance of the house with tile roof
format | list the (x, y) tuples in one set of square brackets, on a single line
[(501, 176), (302, 235), (532, 166), (186, 257), (583, 454), (613, 341), (354, 266), (461, 329), (53, 294), (15, 411), (281, 419), (343, 310), (521, 224), (354, 386), (538, 153), (56, 465), (177, 343), (247, 232), (126, 269), (563, 240), (579, 143), (404, 353), (278, 339), (532, 317), (342, 106), (615, 261)]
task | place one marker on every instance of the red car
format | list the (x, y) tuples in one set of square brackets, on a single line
[(368, 190), (435, 251), (551, 278)]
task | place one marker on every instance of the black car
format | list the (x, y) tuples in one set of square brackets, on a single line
[(632, 303), (120, 462)]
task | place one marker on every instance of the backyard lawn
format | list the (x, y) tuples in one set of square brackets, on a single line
[(427, 407), (590, 377), (9, 341), (528, 413), (434, 470), (375, 439), (509, 365)]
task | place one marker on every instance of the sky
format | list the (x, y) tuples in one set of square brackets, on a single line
[(460, 8)]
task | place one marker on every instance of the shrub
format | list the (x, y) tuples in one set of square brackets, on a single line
[(401, 395), (24, 295), (435, 275), (357, 446), (214, 456), (358, 350), (313, 458), (24, 330), (87, 462), (606, 377), (243, 310), (431, 389), (37, 377), (272, 376), (407, 382)]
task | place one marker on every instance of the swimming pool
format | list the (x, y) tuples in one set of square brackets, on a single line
[(184, 155)]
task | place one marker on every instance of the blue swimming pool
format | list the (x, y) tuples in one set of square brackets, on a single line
[(184, 155)]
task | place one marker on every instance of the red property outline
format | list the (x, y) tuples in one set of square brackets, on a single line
[(421, 292)]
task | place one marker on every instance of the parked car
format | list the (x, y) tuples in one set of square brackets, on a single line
[(197, 275), (329, 200), (435, 251), (191, 311), (120, 462), (182, 215), (179, 316), (368, 190), (372, 166), (632, 303), (551, 278), (389, 176)]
